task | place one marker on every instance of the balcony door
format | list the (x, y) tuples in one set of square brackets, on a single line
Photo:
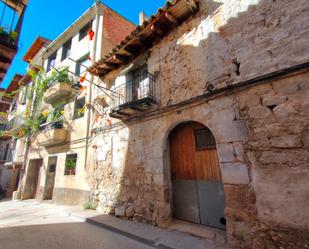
[(139, 87)]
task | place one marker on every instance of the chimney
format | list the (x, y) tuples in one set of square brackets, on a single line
[(142, 17)]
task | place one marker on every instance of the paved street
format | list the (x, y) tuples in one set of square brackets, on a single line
[(28, 225), (32, 225)]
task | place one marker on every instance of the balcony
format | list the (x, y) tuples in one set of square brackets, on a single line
[(134, 97), (58, 93), (9, 36), (52, 133), (8, 50)]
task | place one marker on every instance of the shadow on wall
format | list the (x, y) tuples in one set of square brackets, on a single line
[(220, 45)]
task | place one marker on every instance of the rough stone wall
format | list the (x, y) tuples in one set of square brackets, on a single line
[(262, 145), (229, 41), (278, 150), (261, 132)]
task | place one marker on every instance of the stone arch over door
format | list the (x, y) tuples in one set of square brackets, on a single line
[(196, 186)]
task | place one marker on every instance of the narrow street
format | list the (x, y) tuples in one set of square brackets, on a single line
[(25, 225), (33, 225)]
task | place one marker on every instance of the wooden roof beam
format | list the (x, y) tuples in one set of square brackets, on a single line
[(171, 19), (130, 50), (121, 58), (107, 65), (155, 29), (144, 42)]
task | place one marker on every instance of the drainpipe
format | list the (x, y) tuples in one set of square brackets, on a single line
[(93, 56)]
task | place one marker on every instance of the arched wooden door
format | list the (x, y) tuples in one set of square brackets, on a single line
[(198, 194)]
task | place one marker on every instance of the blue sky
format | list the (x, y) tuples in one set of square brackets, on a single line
[(51, 18)]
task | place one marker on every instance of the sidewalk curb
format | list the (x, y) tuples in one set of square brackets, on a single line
[(148, 242)]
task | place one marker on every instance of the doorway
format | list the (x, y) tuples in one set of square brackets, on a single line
[(32, 187), (50, 178), (197, 189)]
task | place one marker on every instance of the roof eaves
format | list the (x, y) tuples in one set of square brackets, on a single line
[(146, 35)]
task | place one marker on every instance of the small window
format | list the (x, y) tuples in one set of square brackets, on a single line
[(70, 164), (51, 61), (84, 30), (204, 139), (79, 108), (82, 65), (66, 49)]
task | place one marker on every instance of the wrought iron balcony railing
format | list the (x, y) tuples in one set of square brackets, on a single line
[(134, 92), (52, 125)]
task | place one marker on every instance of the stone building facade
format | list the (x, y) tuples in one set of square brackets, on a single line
[(239, 68)]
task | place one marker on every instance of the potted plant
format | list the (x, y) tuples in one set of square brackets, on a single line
[(60, 75), (70, 166)]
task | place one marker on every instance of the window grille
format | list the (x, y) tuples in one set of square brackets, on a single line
[(204, 139)]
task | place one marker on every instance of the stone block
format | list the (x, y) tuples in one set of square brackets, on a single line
[(259, 112), (231, 131), (234, 173), (225, 152), (286, 141), (273, 100), (120, 211), (130, 211), (283, 111), (239, 151)]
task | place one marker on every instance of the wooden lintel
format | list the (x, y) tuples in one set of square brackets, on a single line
[(171, 19)]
